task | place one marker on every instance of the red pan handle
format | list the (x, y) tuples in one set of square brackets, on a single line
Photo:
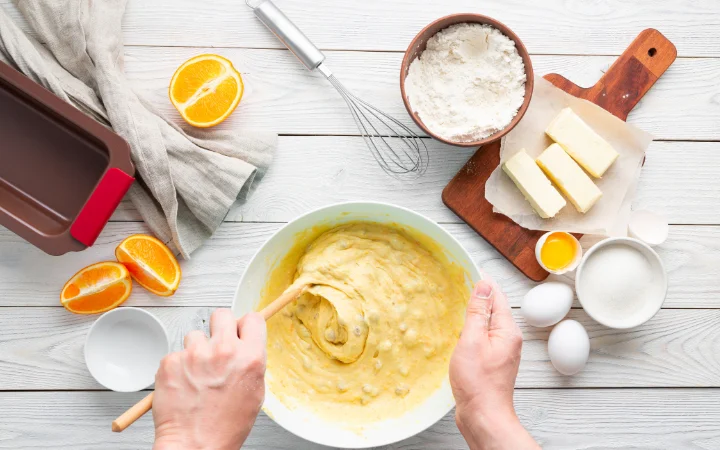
[(102, 203)]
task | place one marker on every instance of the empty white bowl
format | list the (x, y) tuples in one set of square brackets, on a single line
[(302, 421), (124, 348)]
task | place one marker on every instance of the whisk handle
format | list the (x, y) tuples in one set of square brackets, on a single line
[(288, 33)]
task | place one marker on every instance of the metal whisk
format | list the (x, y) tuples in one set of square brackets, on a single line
[(397, 148)]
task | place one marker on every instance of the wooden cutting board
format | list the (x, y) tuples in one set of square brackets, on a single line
[(618, 91)]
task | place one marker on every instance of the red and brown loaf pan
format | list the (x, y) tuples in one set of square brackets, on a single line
[(62, 174)]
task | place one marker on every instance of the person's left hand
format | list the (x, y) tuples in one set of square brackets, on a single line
[(208, 395)]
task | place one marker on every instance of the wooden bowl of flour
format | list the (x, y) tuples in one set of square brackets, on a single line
[(418, 46)]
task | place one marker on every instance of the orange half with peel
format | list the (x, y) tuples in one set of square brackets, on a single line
[(205, 90), (97, 288), (150, 263)]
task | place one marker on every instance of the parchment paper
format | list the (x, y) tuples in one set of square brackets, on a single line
[(610, 214)]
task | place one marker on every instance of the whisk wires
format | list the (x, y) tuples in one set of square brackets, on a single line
[(399, 151)]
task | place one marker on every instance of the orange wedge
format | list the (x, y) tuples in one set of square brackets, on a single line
[(150, 263), (97, 288), (205, 90)]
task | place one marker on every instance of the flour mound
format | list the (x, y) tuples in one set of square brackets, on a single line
[(468, 83)]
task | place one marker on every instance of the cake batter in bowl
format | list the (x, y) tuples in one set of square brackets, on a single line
[(361, 358)]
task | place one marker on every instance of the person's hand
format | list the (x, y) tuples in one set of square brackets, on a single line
[(208, 395), (485, 363), (483, 370)]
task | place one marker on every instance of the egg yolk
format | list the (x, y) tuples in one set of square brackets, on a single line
[(558, 251)]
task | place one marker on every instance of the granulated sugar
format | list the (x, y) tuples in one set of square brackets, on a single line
[(468, 84), (619, 283)]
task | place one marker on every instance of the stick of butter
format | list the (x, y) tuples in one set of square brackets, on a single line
[(569, 177), (534, 185), (585, 146)]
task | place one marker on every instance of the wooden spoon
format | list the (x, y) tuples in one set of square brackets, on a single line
[(140, 408)]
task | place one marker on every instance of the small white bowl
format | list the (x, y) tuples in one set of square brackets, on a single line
[(124, 347), (573, 264), (617, 319), (302, 421)]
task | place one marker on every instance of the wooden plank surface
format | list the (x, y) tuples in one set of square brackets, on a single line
[(42, 349), (550, 26), (284, 96), (29, 277), (560, 419), (679, 180), (41, 344)]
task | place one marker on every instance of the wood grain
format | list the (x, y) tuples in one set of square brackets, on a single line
[(43, 345), (679, 180), (629, 78), (29, 277), (618, 91), (283, 96), (560, 419), (42, 348), (677, 348), (551, 26)]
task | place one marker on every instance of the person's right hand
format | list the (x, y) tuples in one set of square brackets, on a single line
[(483, 370), (208, 395)]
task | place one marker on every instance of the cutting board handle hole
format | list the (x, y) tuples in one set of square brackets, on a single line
[(652, 52)]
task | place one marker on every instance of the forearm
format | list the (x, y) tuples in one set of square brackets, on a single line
[(494, 430)]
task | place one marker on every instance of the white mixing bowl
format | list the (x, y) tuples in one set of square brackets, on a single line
[(305, 423)]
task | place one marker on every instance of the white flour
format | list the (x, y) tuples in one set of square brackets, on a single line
[(468, 84)]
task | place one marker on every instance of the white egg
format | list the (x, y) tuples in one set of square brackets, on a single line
[(569, 347), (547, 304)]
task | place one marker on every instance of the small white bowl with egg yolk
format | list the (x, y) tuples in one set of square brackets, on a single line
[(295, 416)]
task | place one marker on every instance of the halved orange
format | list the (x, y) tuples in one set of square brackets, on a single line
[(150, 263), (205, 90), (97, 288)]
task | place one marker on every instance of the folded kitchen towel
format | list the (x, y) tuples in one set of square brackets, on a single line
[(187, 178)]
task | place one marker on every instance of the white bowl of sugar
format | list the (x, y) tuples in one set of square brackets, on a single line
[(621, 283)]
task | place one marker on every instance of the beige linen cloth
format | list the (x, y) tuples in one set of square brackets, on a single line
[(186, 180)]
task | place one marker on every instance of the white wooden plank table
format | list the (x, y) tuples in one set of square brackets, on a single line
[(657, 386)]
